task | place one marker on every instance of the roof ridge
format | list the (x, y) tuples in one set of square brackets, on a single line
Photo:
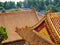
[(16, 12)]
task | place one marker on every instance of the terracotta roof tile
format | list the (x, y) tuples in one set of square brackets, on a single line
[(55, 18), (40, 16), (11, 20)]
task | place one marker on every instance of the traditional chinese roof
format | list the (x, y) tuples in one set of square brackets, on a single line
[(32, 36), (39, 15), (35, 38), (52, 20), (11, 20), (55, 18)]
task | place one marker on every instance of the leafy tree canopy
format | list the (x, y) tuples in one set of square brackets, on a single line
[(3, 34)]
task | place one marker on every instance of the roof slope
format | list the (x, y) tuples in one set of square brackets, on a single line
[(33, 37), (52, 20), (40, 16), (55, 18), (19, 19), (11, 20)]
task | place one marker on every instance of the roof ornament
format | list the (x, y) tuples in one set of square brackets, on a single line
[(49, 12), (33, 8)]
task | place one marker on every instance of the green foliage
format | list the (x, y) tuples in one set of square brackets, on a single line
[(0, 44), (9, 5), (13, 10), (39, 5), (1, 7), (3, 10), (3, 34), (19, 4), (6, 5), (1, 4)]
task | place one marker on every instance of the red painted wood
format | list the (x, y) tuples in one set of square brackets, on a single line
[(38, 28), (42, 25)]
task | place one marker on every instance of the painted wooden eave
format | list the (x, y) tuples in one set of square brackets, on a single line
[(39, 22), (53, 29), (43, 37)]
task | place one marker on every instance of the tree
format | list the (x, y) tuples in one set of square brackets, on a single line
[(1, 7), (12, 5), (19, 4), (3, 10), (3, 34), (9, 5), (56, 1), (25, 3), (54, 5), (37, 4), (6, 5), (1, 4)]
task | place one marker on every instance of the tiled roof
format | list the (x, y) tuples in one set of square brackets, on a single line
[(55, 18), (11, 20), (52, 20), (33, 37), (40, 16)]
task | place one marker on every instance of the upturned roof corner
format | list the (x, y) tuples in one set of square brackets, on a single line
[(48, 12)]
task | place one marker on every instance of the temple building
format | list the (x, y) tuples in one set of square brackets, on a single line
[(11, 20), (45, 32)]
